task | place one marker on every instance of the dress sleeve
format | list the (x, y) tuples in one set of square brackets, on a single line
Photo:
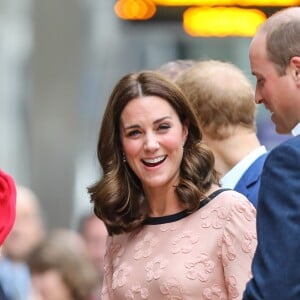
[(108, 267), (238, 245)]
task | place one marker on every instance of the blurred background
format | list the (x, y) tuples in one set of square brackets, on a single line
[(59, 60)]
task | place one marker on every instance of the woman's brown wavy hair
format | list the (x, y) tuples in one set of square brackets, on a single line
[(118, 196)]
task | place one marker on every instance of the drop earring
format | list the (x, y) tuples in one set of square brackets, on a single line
[(124, 158)]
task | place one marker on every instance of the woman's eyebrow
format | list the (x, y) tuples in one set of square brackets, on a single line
[(155, 122)]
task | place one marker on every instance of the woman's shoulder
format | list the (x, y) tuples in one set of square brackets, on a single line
[(231, 200), (227, 195), (228, 210)]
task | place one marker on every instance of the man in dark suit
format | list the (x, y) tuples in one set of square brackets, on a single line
[(223, 99), (275, 61)]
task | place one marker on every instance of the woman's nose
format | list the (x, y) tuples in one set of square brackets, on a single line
[(151, 143)]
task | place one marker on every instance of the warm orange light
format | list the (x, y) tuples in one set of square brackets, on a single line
[(227, 2), (222, 21), (135, 9)]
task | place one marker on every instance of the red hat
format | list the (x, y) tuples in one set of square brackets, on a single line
[(7, 204)]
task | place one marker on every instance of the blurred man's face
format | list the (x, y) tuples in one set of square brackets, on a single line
[(27, 231), (50, 285)]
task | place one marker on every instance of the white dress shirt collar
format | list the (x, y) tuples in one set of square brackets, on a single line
[(296, 130), (232, 177)]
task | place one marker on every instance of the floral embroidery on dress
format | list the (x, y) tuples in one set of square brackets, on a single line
[(249, 243), (115, 250), (214, 293), (104, 291), (184, 242), (120, 275), (155, 267), (168, 227), (232, 287), (172, 289), (144, 247), (226, 250), (247, 209), (214, 217), (137, 292), (205, 256), (199, 268), (108, 269)]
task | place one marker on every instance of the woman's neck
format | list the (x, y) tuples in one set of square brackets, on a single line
[(163, 202)]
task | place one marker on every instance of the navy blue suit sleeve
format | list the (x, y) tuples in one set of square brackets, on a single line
[(276, 274), (249, 183)]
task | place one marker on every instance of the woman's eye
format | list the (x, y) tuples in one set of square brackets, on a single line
[(164, 126), (133, 133)]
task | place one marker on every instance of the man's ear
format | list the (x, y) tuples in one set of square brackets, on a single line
[(295, 67)]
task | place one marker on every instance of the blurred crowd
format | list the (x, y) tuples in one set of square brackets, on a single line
[(57, 264)]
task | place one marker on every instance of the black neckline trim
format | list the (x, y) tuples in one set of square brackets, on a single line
[(182, 214)]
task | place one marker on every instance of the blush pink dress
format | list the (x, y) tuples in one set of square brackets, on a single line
[(204, 255)]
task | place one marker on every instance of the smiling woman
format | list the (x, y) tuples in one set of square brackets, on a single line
[(159, 198), (153, 137), (149, 116)]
